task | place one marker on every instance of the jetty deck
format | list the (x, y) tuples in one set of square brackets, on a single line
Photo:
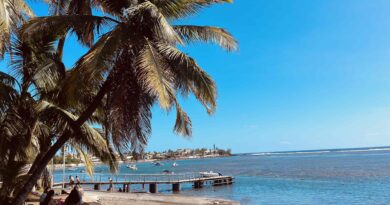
[(153, 180)]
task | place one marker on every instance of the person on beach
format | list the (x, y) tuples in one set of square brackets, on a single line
[(71, 181), (77, 180), (43, 196), (111, 187), (49, 199), (74, 198)]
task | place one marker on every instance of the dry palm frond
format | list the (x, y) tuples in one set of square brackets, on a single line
[(183, 125)]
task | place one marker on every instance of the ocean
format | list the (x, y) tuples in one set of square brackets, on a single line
[(338, 176)]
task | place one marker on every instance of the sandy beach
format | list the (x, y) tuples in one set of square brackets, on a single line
[(105, 198)]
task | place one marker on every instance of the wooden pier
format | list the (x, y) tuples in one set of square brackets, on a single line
[(153, 180)]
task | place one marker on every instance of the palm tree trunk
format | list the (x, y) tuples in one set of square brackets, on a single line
[(32, 180), (41, 165)]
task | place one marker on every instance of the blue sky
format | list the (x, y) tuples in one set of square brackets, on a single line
[(309, 74)]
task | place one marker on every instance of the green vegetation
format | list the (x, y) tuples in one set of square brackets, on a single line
[(187, 153), (135, 64), (69, 159)]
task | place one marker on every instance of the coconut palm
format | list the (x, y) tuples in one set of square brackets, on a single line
[(30, 121), (133, 66)]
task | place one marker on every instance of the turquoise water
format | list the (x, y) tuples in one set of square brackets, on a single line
[(318, 177)]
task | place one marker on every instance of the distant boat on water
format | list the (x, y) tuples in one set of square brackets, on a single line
[(132, 167), (157, 163), (168, 172), (175, 164)]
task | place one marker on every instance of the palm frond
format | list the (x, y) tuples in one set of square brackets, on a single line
[(162, 29), (183, 125), (128, 108), (207, 34), (12, 13), (80, 7), (7, 79), (22, 7), (113, 7), (189, 76), (88, 139), (91, 141), (8, 96), (174, 9), (89, 166), (83, 25), (156, 76), (90, 71)]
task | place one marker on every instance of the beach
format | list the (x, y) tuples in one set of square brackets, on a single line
[(107, 198)]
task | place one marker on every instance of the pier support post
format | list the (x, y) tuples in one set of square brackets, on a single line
[(198, 184), (176, 187), (128, 188), (96, 187), (153, 188)]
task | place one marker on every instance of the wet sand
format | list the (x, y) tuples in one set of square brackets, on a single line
[(106, 198)]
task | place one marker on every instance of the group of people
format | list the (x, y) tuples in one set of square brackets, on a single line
[(72, 180), (74, 198)]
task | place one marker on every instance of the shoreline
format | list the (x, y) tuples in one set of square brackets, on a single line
[(108, 198)]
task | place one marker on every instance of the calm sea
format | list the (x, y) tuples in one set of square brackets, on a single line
[(360, 176)]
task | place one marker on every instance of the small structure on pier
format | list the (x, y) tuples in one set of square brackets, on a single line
[(153, 180)]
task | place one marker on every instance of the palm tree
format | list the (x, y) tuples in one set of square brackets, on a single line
[(12, 14), (30, 121), (130, 68)]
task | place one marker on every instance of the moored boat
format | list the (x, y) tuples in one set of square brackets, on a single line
[(132, 167), (209, 174)]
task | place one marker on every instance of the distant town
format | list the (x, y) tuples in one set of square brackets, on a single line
[(73, 158)]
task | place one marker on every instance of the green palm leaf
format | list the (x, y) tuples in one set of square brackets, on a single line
[(190, 77), (156, 76), (207, 34)]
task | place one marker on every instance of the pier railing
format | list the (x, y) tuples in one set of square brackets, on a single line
[(98, 177), (126, 180)]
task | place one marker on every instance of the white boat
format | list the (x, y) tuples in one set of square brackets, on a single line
[(175, 164), (132, 167), (209, 174)]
